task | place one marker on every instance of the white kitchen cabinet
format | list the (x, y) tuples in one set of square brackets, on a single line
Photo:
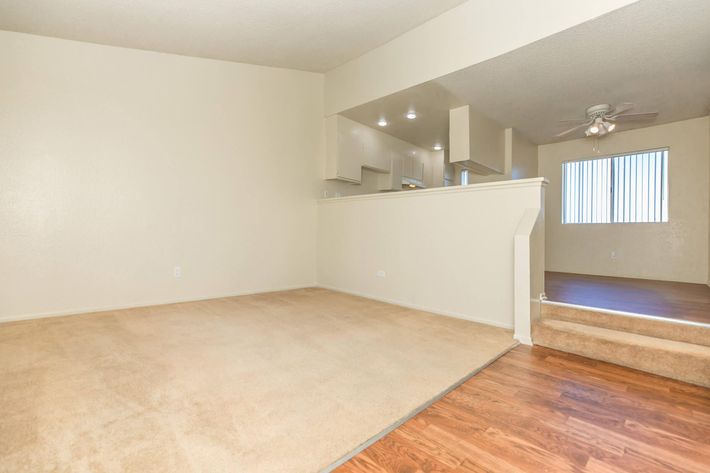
[(413, 167), (344, 150), (351, 146), (392, 180), (376, 155)]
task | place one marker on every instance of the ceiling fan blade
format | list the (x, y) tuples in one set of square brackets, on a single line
[(574, 121), (635, 116), (574, 128), (621, 108)]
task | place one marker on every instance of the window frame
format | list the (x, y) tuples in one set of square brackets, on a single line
[(665, 186), (467, 173)]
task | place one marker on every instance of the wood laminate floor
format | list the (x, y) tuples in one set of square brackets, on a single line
[(675, 300), (541, 410)]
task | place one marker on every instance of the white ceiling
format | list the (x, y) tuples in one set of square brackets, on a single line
[(654, 53), (312, 35)]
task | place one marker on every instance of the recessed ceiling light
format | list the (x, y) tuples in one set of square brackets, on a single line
[(411, 115), (382, 122), (437, 147), (412, 186)]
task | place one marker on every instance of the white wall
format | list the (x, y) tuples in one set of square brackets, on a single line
[(675, 251), (468, 34), (529, 273), (118, 164), (435, 256)]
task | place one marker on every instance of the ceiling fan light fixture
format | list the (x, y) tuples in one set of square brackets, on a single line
[(610, 127), (600, 127)]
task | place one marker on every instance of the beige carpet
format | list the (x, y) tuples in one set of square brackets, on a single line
[(280, 382)]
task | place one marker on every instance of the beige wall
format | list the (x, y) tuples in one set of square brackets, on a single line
[(675, 251), (523, 156), (434, 256), (117, 164), (520, 160), (468, 34)]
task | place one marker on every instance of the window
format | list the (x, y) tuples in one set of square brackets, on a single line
[(464, 177), (630, 188)]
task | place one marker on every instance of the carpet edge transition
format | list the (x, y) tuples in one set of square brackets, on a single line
[(395, 425)]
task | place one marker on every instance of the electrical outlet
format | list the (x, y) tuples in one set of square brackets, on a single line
[(177, 271), (381, 273), (612, 255)]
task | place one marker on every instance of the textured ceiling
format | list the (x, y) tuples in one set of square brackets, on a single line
[(313, 35), (654, 53)]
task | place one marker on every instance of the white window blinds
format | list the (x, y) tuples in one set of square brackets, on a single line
[(630, 188)]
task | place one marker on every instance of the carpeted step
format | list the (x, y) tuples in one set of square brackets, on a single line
[(678, 360), (680, 331)]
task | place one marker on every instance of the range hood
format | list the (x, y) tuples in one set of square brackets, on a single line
[(476, 142)]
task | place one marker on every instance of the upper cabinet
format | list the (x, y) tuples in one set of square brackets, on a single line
[(476, 142), (352, 146), (344, 148), (412, 167), (391, 181)]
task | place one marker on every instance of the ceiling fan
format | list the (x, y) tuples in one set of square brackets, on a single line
[(601, 119)]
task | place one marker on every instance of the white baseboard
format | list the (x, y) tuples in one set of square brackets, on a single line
[(88, 310), (432, 310), (524, 340)]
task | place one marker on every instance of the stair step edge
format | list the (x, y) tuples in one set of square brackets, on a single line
[(666, 329), (620, 336), (621, 313)]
